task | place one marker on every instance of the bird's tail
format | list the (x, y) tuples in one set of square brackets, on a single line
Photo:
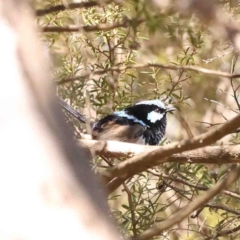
[(71, 110)]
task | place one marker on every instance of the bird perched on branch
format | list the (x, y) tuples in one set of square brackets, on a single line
[(143, 123)]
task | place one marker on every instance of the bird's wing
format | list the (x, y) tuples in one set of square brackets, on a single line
[(124, 133)]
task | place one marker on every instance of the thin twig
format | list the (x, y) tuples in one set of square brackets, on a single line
[(224, 233), (132, 210), (234, 61), (156, 65), (174, 85), (200, 187), (220, 104), (217, 124), (210, 124), (100, 27), (224, 183), (210, 205), (222, 207), (70, 6)]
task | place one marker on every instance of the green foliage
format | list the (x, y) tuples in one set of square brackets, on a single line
[(163, 37)]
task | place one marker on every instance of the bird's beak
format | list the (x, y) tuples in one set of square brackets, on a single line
[(171, 109)]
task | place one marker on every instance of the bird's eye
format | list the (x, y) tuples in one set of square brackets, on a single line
[(159, 110)]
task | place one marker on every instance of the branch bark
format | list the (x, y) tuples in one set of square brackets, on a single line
[(210, 154), (149, 159)]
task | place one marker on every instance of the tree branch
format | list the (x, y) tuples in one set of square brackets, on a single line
[(100, 27), (224, 183), (224, 233), (156, 65), (210, 154), (152, 158), (199, 187), (70, 6)]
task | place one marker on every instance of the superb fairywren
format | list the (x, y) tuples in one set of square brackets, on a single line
[(143, 123)]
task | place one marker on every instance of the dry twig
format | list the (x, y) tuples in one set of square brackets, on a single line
[(100, 27), (156, 65), (62, 7), (177, 217)]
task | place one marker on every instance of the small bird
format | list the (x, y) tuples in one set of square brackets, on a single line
[(142, 123)]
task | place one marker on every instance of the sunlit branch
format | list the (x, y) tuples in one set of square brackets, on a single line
[(100, 27), (155, 157), (62, 7), (156, 65)]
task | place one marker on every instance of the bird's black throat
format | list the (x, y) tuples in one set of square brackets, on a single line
[(155, 133)]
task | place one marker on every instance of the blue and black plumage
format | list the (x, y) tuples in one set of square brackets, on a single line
[(143, 123)]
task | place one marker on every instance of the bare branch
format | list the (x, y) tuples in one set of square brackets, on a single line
[(100, 27), (222, 207), (224, 232), (156, 65), (224, 183), (70, 6), (210, 154), (115, 149), (152, 158), (220, 104), (199, 187)]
